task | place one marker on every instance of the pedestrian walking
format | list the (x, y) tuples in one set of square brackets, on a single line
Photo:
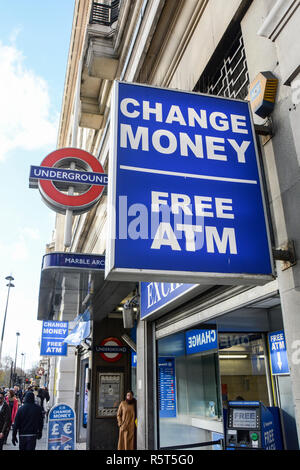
[(29, 423), (37, 398), (47, 398), (12, 401), (46, 394), (41, 396), (18, 393), (4, 418), (13, 404), (126, 417)]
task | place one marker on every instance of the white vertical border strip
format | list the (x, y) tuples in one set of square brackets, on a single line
[(258, 163), (112, 183)]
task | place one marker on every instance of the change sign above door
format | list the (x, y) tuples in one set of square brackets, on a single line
[(185, 198)]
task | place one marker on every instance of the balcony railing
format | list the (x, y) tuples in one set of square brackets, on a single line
[(104, 14)]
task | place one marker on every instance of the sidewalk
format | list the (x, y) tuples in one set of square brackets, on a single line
[(41, 444)]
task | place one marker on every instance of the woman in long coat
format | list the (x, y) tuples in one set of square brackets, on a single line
[(13, 404), (126, 421)]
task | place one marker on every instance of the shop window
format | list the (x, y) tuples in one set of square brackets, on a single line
[(188, 391), (226, 73), (242, 367)]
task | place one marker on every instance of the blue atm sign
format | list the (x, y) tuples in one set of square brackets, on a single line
[(185, 197), (53, 335), (278, 353)]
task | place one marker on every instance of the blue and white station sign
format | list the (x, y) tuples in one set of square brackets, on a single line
[(185, 199), (278, 353), (75, 261), (53, 335), (61, 428)]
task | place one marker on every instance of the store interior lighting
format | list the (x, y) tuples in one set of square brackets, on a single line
[(233, 356), (237, 356)]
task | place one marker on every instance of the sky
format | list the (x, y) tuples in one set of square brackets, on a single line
[(34, 46)]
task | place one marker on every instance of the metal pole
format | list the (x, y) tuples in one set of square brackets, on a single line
[(22, 359), (15, 366), (24, 372), (9, 285), (21, 375), (69, 216), (11, 371)]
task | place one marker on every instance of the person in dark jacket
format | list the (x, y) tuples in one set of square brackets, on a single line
[(4, 419), (29, 423)]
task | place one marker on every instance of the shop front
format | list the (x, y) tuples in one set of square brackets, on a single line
[(95, 372), (214, 350)]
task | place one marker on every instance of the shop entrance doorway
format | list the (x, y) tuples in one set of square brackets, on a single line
[(189, 396)]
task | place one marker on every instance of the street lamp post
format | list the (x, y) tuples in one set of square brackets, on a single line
[(22, 360), (9, 285), (15, 366), (23, 368)]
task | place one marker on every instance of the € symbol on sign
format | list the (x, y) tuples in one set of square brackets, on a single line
[(68, 428)]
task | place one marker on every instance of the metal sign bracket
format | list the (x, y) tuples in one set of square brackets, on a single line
[(287, 254)]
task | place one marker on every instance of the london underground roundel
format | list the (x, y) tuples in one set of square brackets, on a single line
[(112, 349), (69, 178)]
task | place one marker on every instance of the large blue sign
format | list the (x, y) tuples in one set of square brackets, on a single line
[(200, 340), (185, 197), (53, 335), (278, 353), (167, 387), (61, 428)]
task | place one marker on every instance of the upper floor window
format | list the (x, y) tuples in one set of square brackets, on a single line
[(226, 73), (105, 12)]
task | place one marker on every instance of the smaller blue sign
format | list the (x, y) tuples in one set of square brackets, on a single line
[(86, 396), (61, 428), (278, 353), (65, 176), (76, 261), (133, 359), (167, 387), (53, 335), (156, 295), (200, 340)]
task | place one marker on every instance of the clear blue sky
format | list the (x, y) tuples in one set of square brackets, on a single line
[(34, 45)]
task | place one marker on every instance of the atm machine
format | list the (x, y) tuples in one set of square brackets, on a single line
[(251, 426)]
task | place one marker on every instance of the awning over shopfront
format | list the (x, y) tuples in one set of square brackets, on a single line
[(81, 276)]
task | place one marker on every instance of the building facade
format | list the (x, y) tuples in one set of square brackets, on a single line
[(202, 46)]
